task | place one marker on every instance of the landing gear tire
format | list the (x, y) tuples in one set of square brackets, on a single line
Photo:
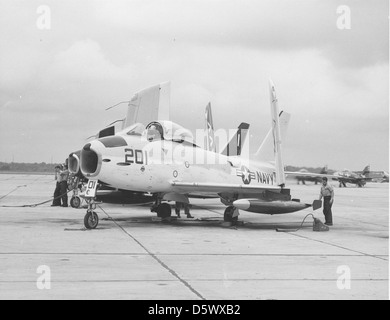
[(75, 202), (91, 220), (164, 210), (228, 215)]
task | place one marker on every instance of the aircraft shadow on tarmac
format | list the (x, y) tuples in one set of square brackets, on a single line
[(210, 223)]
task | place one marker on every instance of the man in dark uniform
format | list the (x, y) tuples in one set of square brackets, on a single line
[(328, 194), (186, 206), (61, 191), (57, 191), (64, 174)]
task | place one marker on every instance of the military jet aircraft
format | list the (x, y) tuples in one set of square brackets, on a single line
[(146, 105), (162, 159), (385, 177), (304, 175), (357, 178)]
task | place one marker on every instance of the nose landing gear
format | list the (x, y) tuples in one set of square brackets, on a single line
[(91, 219)]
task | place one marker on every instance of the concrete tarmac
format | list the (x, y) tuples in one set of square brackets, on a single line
[(134, 255)]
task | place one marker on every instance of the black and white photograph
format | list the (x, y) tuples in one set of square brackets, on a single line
[(193, 155)]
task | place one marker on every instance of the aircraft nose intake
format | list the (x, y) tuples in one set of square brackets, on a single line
[(89, 161), (74, 162)]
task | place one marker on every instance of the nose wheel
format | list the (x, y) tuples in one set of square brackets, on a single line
[(91, 219)]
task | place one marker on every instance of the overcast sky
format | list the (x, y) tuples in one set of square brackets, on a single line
[(55, 83)]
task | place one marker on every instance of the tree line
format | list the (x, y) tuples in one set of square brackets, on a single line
[(27, 167)]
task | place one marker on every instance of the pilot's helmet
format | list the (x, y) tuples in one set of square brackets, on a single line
[(154, 132)]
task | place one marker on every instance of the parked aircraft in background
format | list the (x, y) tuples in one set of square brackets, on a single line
[(359, 179), (385, 177), (366, 171), (375, 176), (164, 161), (304, 175)]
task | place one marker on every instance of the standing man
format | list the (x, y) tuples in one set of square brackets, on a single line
[(181, 205), (63, 180), (57, 191), (328, 194)]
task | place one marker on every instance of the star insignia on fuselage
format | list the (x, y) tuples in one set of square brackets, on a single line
[(245, 174)]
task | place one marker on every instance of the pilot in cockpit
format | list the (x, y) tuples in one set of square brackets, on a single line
[(155, 132)]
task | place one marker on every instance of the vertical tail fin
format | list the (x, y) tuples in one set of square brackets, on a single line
[(235, 145), (210, 144), (366, 170), (149, 105)]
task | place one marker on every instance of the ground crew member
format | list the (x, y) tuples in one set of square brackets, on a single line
[(61, 191), (64, 174), (328, 194), (186, 206), (57, 191)]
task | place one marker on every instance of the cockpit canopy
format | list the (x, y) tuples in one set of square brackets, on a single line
[(167, 130), (136, 129)]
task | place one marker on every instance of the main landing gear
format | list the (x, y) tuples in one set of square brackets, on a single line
[(163, 210), (75, 202), (231, 215), (91, 219), (75, 184)]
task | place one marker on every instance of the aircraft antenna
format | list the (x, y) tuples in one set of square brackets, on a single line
[(120, 120), (117, 105)]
